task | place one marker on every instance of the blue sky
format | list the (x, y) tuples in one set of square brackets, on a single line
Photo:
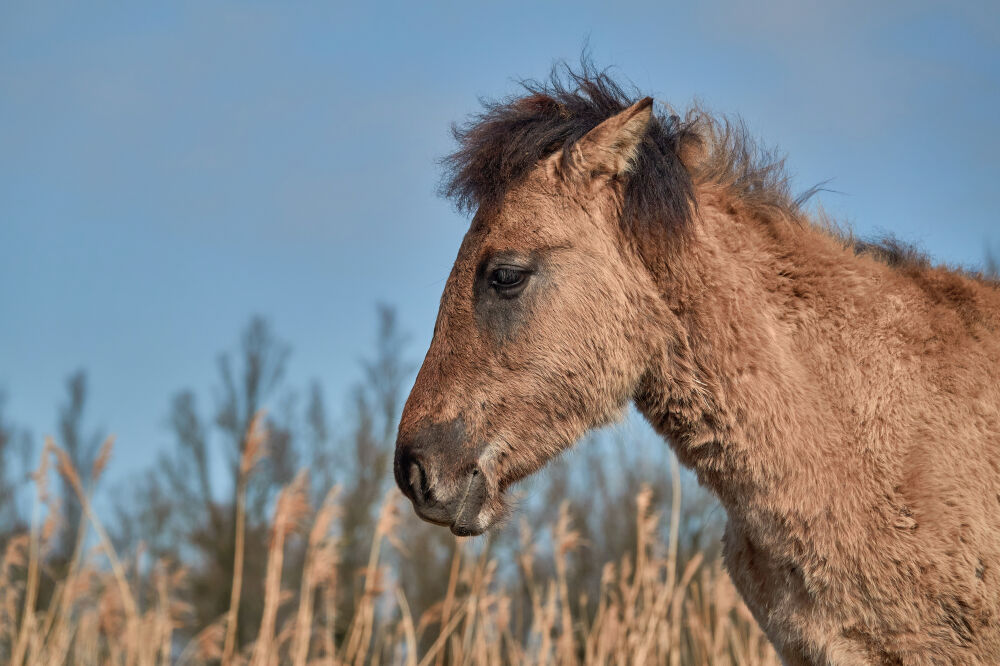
[(167, 172)]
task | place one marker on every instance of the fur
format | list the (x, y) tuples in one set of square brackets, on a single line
[(842, 399)]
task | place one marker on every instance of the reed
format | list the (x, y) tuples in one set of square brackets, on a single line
[(651, 607)]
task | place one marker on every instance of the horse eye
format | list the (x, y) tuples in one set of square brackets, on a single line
[(508, 281)]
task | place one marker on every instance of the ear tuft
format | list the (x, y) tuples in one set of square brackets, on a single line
[(611, 147)]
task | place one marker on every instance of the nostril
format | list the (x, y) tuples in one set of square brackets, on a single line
[(403, 470), (412, 478), (417, 481)]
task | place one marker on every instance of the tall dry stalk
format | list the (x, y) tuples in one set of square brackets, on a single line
[(652, 606), (40, 477), (360, 630), (253, 452), (69, 472), (566, 540), (319, 558), (675, 519), (291, 508), (449, 595), (408, 631), (61, 598)]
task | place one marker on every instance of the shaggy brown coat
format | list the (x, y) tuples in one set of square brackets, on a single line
[(841, 399)]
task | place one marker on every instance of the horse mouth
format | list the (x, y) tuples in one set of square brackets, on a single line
[(461, 514), (460, 525)]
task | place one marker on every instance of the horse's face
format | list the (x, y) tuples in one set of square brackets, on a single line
[(537, 339)]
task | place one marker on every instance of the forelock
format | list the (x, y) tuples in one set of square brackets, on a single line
[(498, 147)]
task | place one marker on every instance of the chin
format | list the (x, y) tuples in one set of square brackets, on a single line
[(490, 515)]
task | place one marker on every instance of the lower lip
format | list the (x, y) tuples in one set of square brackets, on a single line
[(462, 532), (457, 531), (430, 520)]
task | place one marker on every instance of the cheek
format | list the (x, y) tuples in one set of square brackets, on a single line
[(587, 326), (558, 389), (587, 353)]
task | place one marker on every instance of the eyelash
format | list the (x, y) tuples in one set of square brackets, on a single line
[(508, 281), (506, 277)]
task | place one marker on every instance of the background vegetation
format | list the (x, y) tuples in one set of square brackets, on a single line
[(268, 534)]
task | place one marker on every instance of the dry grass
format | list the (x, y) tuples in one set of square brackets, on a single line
[(106, 610)]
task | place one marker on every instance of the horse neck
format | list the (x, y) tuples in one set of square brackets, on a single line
[(752, 318)]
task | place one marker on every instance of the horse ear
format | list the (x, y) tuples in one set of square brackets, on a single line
[(611, 147)]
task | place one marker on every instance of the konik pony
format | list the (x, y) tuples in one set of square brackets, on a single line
[(842, 399)]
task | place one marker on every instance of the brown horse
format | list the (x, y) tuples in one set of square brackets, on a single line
[(842, 399)]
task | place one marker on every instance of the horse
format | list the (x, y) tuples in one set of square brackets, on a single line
[(840, 398)]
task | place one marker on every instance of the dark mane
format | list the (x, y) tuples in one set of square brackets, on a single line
[(907, 256), (499, 146)]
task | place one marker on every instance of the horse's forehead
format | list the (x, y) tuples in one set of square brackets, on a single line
[(527, 217)]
